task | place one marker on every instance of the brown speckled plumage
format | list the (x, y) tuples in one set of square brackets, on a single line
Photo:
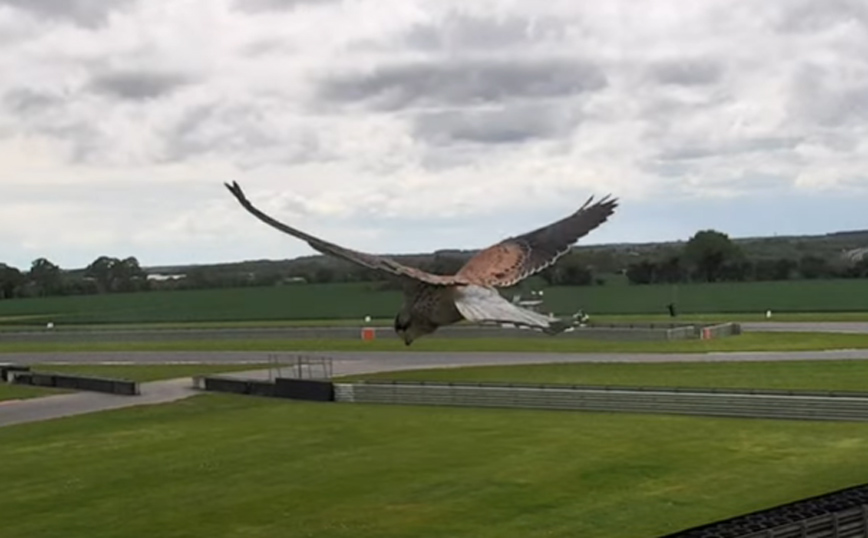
[(432, 301)]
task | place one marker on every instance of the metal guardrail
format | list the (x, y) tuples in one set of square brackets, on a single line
[(724, 404), (123, 387), (837, 514), (851, 523), (639, 388)]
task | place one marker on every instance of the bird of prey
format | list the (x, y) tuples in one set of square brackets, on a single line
[(432, 301)]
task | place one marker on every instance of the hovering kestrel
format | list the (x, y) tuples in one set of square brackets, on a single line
[(432, 301)]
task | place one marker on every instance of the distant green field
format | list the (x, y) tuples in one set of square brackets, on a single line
[(355, 301), (221, 466)]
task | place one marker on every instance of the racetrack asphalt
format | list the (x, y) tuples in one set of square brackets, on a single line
[(807, 326), (344, 363), (348, 333)]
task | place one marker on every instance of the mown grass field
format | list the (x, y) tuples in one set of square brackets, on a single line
[(355, 301), (754, 341), (843, 375), (241, 467)]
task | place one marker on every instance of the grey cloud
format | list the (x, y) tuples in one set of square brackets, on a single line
[(685, 72), (819, 96), (264, 47), (244, 133), (87, 13), (806, 16), (138, 85), (256, 6), (691, 151), (45, 113), (26, 101), (463, 83), (466, 32), (86, 142), (504, 125)]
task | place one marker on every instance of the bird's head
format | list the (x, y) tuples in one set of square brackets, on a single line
[(409, 329)]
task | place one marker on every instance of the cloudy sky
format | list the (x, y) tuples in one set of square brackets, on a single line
[(411, 125)]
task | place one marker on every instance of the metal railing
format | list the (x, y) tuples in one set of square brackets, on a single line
[(758, 404)]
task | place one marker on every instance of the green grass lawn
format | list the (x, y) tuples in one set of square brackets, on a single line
[(135, 372), (23, 392), (754, 341), (227, 466), (354, 301), (796, 375)]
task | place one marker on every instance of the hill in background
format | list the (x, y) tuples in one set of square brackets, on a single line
[(608, 258)]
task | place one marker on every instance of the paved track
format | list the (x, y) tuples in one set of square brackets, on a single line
[(352, 333), (344, 363), (389, 360), (807, 326), (79, 403)]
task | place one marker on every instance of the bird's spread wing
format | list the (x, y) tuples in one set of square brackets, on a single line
[(516, 258), (371, 261), (486, 306)]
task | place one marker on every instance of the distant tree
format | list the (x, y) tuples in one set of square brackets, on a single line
[(127, 275), (784, 268), (116, 275), (643, 272), (100, 270), (324, 275), (858, 269), (736, 271), (45, 277), (568, 271), (708, 251), (812, 267), (11, 279), (778, 269), (671, 270), (445, 264)]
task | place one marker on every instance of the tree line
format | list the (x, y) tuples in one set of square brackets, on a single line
[(708, 256), (711, 256), (45, 278)]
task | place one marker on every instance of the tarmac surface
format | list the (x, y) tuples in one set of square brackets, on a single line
[(638, 332), (807, 326), (343, 363)]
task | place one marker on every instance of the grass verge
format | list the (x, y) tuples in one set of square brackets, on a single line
[(226, 466), (770, 341), (795, 375), (23, 392)]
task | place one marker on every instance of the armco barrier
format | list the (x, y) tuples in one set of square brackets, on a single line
[(647, 400), (296, 389), (839, 514), (6, 368), (236, 386), (304, 389), (78, 382), (720, 330)]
